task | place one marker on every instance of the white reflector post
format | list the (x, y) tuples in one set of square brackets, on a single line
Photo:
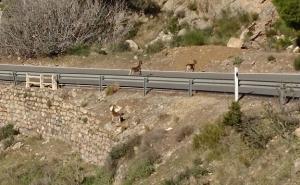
[(236, 84)]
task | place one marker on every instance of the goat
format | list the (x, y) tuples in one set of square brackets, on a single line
[(115, 114), (136, 69), (191, 67)]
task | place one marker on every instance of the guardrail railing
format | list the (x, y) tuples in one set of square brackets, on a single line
[(269, 84)]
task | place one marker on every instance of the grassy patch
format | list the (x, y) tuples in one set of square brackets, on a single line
[(234, 116), (125, 149), (192, 6), (7, 132), (191, 38), (155, 47), (103, 176), (209, 137), (79, 50), (237, 61), (121, 46)]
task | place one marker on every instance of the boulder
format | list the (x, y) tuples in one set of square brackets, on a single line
[(296, 49), (297, 132), (182, 32), (235, 43), (132, 45), (290, 48)]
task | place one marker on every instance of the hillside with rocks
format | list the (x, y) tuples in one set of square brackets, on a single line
[(81, 136)]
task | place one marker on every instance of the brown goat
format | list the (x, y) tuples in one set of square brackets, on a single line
[(115, 114), (191, 67), (136, 69)]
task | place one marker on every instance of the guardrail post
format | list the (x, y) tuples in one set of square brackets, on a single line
[(282, 95), (100, 82), (145, 85), (191, 87), (236, 84), (14, 78)]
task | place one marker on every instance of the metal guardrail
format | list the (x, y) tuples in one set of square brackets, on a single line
[(269, 84)]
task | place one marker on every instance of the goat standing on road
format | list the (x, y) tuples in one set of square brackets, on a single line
[(136, 69)]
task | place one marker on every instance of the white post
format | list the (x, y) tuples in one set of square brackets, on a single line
[(236, 84)]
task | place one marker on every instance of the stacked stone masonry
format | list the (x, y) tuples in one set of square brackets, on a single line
[(45, 112)]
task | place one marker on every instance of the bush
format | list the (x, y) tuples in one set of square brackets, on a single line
[(121, 46), (31, 28), (229, 24), (297, 63), (209, 136), (8, 142), (125, 149), (141, 168), (238, 61), (103, 177), (234, 116), (7, 132), (155, 47), (173, 25), (80, 50), (192, 38), (289, 11), (147, 6), (111, 89)]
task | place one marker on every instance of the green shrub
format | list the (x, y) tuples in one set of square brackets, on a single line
[(7, 131), (79, 50), (297, 63), (111, 89), (192, 38), (173, 25), (141, 168), (125, 149), (102, 177), (289, 11), (229, 24), (155, 47), (148, 6), (237, 61), (234, 116), (209, 136), (8, 142), (134, 30), (120, 47)]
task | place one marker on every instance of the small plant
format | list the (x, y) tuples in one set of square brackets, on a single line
[(120, 47), (80, 50), (8, 142), (192, 6), (84, 120), (125, 149), (112, 89), (237, 61), (209, 136), (173, 25), (297, 63), (184, 132), (271, 58), (192, 38), (134, 30), (155, 47), (103, 177), (142, 168), (7, 131), (234, 116)]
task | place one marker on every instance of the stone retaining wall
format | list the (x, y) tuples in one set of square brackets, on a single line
[(45, 112)]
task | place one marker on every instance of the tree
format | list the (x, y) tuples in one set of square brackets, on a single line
[(50, 27), (289, 11)]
